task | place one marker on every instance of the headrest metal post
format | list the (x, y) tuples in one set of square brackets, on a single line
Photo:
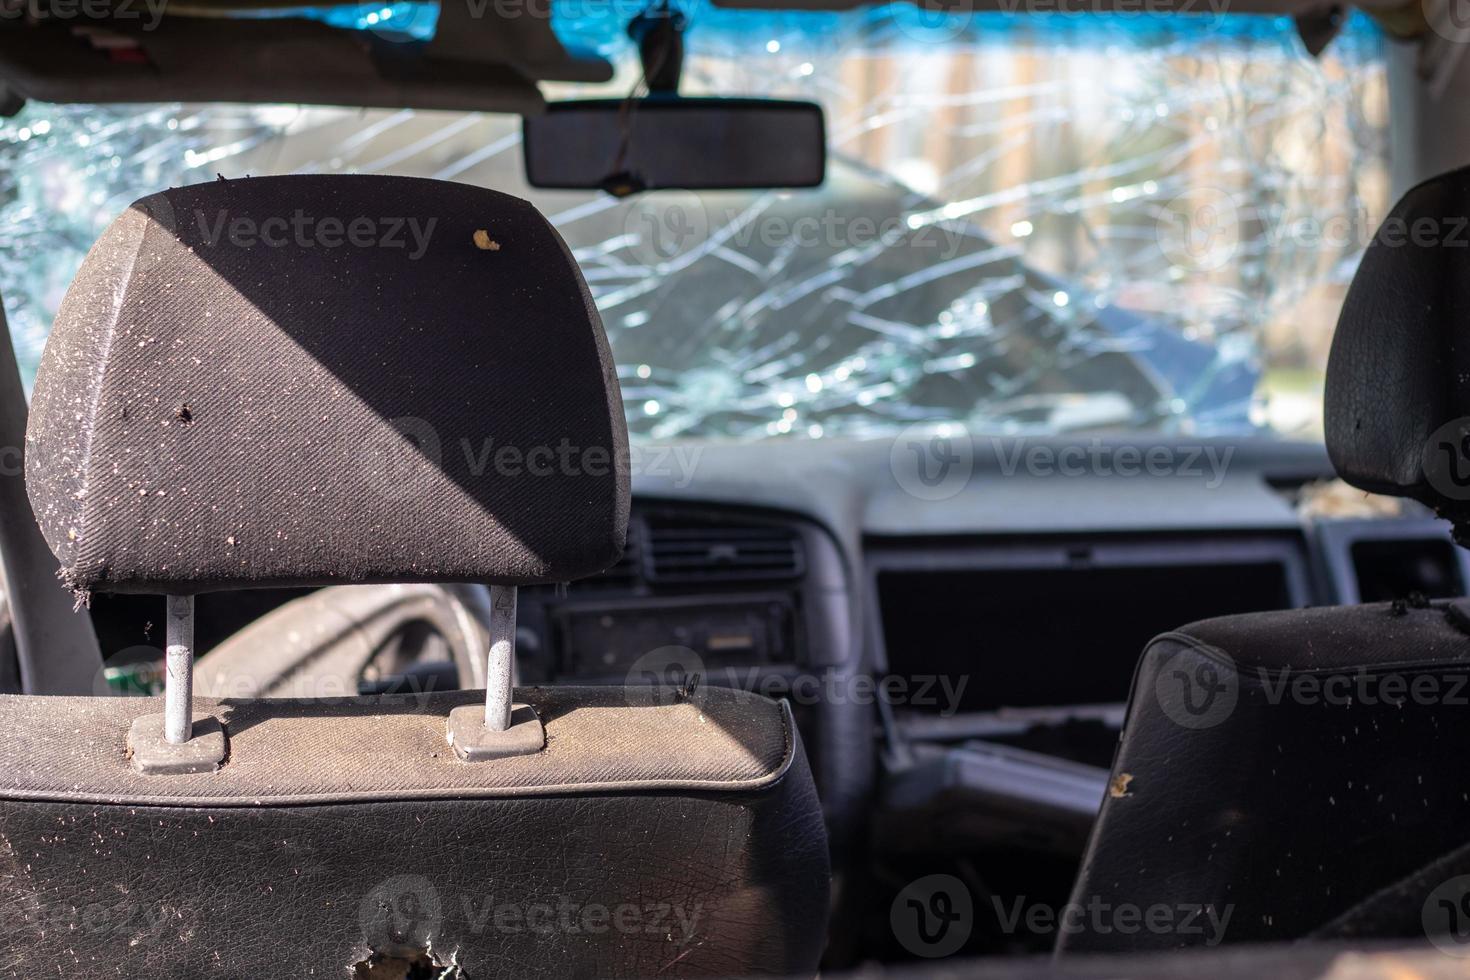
[(178, 684), (502, 728), (177, 741), (501, 665)]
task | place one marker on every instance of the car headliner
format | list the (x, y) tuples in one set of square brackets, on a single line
[(482, 56)]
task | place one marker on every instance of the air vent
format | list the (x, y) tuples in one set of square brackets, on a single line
[(622, 574), (701, 551)]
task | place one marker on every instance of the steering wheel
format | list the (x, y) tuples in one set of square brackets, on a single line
[(346, 639)]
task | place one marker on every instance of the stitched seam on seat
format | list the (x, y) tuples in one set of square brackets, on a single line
[(734, 786), (90, 424), (1223, 658)]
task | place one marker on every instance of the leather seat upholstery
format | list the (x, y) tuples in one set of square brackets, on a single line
[(238, 393), (679, 839), (1276, 769), (1294, 773)]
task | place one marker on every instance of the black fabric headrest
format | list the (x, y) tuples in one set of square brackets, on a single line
[(1397, 402), (304, 380)]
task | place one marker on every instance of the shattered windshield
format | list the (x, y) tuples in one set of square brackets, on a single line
[(1031, 222)]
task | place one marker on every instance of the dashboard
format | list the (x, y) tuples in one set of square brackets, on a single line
[(957, 650), (745, 597), (998, 617), (955, 622), (1039, 585)]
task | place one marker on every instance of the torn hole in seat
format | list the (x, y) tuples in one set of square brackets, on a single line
[(421, 965)]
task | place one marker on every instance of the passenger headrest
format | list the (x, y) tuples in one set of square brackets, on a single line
[(1397, 403), (295, 381)]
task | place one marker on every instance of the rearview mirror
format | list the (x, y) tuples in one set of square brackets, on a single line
[(628, 145)]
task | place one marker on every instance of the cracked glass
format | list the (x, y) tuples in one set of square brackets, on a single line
[(1038, 222)]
